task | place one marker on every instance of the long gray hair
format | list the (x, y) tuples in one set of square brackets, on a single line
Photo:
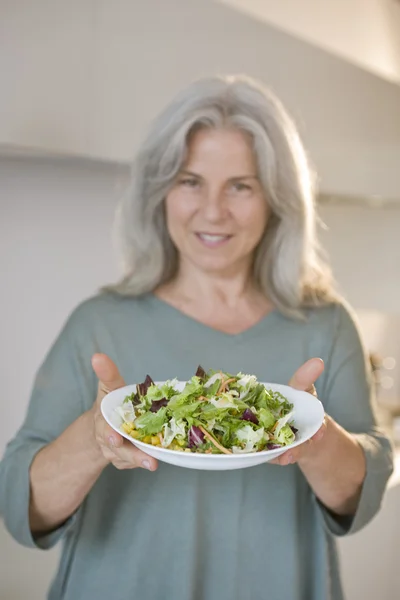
[(287, 265)]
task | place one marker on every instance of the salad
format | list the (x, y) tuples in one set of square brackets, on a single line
[(215, 413)]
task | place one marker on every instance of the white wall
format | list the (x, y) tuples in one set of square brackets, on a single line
[(369, 559), (55, 250), (364, 246), (86, 76), (366, 32)]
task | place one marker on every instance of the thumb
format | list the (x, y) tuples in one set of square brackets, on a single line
[(307, 374), (108, 375)]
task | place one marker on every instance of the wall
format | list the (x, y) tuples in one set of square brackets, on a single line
[(369, 559), (55, 250), (366, 32), (85, 78), (364, 246)]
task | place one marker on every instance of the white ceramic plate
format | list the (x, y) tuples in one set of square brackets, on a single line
[(308, 415)]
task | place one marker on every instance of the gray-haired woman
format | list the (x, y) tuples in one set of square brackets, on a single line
[(223, 270)]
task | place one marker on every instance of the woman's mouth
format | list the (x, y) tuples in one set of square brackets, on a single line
[(213, 240)]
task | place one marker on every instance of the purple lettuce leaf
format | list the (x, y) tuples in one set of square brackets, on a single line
[(141, 390), (201, 374), (273, 446), (248, 415), (143, 387), (195, 437), (157, 404), (135, 399)]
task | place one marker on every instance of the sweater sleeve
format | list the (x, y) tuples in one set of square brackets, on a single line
[(348, 399), (63, 385)]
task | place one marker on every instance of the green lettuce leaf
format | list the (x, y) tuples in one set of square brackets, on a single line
[(210, 391), (248, 438), (172, 430), (193, 388), (228, 428), (268, 399), (285, 435), (266, 418), (150, 423), (183, 410), (154, 393)]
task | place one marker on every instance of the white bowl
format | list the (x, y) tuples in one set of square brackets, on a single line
[(308, 416)]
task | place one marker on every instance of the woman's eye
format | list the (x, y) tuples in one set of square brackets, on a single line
[(241, 187), (189, 182)]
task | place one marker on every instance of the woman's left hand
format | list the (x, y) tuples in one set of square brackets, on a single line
[(304, 380)]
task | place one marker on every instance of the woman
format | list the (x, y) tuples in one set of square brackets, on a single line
[(222, 269)]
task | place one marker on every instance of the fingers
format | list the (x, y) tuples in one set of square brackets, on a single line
[(128, 456), (303, 450), (303, 380), (292, 456), (120, 452), (312, 390), (307, 374), (107, 373), (320, 433), (117, 450), (106, 435)]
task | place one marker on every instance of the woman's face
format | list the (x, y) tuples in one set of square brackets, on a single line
[(216, 212)]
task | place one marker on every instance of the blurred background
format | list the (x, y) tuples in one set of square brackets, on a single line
[(81, 81)]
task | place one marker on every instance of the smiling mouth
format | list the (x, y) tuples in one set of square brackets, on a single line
[(211, 239)]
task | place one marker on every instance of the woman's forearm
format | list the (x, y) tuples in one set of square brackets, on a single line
[(62, 474), (335, 469)]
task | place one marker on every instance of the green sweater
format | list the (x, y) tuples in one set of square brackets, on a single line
[(181, 534)]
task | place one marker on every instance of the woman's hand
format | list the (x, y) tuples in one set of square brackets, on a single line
[(332, 461), (304, 380), (115, 449)]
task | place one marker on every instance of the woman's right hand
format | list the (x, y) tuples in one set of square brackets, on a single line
[(115, 449)]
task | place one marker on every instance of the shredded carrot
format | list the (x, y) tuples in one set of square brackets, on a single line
[(225, 384), (221, 384), (214, 441)]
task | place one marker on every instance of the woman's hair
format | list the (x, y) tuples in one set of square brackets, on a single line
[(287, 265)]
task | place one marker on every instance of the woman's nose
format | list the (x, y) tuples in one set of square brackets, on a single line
[(215, 206)]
